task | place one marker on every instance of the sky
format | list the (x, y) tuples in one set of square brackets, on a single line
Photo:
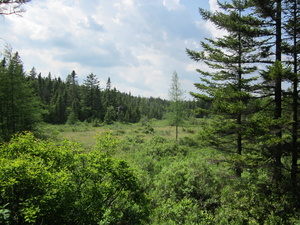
[(137, 43)]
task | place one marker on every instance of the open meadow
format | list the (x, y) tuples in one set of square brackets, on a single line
[(86, 134)]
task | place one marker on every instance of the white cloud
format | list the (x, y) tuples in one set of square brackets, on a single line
[(137, 43), (215, 32), (214, 5), (171, 4)]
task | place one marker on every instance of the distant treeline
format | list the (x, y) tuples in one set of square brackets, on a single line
[(64, 101), (26, 99)]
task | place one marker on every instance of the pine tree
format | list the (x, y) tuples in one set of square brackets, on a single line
[(230, 87), (291, 48), (271, 13)]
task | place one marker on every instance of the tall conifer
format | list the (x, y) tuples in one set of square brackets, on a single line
[(230, 83), (20, 108), (292, 50)]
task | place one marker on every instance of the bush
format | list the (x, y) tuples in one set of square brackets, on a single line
[(248, 201), (157, 140), (185, 192), (42, 182), (188, 142), (96, 122)]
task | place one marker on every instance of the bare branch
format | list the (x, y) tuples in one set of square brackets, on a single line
[(9, 7)]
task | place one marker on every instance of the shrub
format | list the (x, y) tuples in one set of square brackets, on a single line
[(188, 141), (60, 183), (157, 140), (185, 192), (167, 150)]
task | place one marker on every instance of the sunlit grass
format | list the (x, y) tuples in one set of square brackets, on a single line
[(86, 134)]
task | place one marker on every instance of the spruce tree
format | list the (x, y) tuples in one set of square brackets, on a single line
[(92, 97)]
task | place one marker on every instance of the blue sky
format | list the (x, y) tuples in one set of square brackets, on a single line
[(137, 43)]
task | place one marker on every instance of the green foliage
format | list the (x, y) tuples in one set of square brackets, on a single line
[(189, 182), (176, 112), (110, 115), (106, 142), (96, 123), (147, 129), (19, 108), (72, 118), (188, 191), (252, 201), (67, 101), (45, 182), (4, 215)]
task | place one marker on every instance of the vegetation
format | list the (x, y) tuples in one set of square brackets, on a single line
[(61, 183), (19, 106), (176, 114), (99, 156)]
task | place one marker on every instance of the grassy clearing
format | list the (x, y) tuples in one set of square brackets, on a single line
[(86, 134)]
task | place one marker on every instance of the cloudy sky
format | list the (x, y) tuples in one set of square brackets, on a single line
[(137, 43)]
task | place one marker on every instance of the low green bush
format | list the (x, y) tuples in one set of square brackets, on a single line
[(42, 182)]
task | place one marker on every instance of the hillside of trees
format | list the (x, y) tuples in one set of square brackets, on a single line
[(234, 158)]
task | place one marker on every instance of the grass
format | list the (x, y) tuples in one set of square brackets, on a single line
[(85, 133)]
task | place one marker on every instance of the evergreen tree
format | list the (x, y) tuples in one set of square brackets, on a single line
[(58, 112), (110, 115), (20, 108), (48, 89), (73, 94), (109, 96), (108, 84), (92, 97), (73, 116), (33, 79), (229, 88), (271, 12), (176, 114), (292, 49)]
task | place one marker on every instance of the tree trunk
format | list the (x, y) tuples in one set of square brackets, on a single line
[(278, 101), (295, 109)]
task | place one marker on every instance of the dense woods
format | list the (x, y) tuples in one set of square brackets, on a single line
[(234, 158)]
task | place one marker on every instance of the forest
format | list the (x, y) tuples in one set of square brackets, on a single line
[(87, 153)]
